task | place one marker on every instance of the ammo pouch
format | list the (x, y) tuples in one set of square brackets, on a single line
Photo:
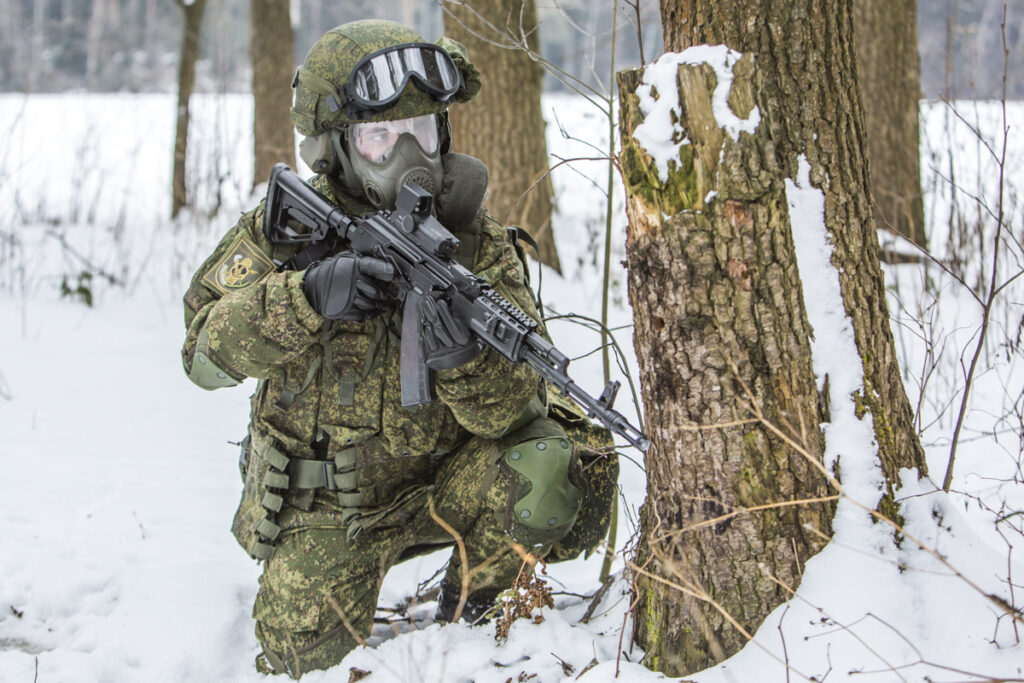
[(272, 478), (266, 481)]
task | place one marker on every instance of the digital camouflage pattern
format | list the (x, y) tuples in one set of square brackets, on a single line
[(327, 411), (331, 389), (332, 57), (318, 574), (338, 381)]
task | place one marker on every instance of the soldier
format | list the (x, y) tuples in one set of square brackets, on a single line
[(341, 481)]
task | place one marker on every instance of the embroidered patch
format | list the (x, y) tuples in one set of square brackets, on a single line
[(243, 264)]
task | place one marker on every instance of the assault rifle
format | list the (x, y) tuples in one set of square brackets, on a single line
[(422, 252)]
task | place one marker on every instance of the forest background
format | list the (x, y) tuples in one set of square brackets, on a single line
[(133, 45), (78, 49)]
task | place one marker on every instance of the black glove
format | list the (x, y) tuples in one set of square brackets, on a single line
[(347, 286), (447, 342)]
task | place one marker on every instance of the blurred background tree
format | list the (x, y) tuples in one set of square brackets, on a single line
[(44, 43), (888, 70), (193, 20), (498, 34), (272, 45)]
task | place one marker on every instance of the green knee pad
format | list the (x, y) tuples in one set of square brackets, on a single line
[(548, 509)]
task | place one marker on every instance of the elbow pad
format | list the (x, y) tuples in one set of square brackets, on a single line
[(205, 373)]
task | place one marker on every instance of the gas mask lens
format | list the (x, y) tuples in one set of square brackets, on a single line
[(376, 140)]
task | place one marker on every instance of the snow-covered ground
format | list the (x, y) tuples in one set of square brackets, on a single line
[(119, 479)]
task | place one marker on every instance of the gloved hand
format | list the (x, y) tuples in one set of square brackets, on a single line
[(347, 286), (447, 342)]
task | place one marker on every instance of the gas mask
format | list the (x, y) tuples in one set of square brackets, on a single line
[(385, 155)]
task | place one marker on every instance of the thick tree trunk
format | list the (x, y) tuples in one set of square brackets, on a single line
[(721, 330), (504, 126), (889, 74), (193, 14), (272, 47)]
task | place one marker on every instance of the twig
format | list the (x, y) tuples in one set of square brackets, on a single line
[(703, 596), (463, 557), (625, 617), (993, 289), (344, 619), (782, 637), (740, 511), (598, 597)]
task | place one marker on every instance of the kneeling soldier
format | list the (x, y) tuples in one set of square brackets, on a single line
[(341, 481)]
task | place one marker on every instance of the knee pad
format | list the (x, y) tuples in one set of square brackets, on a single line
[(543, 501)]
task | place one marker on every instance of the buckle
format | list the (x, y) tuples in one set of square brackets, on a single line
[(329, 470)]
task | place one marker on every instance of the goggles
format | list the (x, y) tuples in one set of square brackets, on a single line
[(378, 79), (376, 140)]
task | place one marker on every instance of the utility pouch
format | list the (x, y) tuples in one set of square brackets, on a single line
[(266, 481)]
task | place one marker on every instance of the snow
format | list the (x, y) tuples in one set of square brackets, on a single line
[(119, 479), (660, 133), (834, 352)]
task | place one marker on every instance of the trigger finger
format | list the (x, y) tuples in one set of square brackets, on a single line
[(377, 268)]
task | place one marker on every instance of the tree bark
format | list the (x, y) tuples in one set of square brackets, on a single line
[(504, 126), (721, 330), (35, 65), (93, 43), (889, 74), (272, 47), (193, 14)]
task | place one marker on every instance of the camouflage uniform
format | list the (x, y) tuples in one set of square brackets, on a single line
[(340, 479)]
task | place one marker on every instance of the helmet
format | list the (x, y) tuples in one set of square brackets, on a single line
[(378, 71)]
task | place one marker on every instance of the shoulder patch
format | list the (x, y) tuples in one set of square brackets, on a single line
[(243, 264)]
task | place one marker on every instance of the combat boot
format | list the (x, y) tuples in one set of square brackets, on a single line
[(476, 610)]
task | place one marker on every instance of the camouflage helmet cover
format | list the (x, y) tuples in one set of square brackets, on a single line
[(333, 56)]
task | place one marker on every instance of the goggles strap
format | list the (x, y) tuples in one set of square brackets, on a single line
[(320, 86), (314, 82)]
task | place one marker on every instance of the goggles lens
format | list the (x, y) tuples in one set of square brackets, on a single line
[(376, 140), (379, 79)]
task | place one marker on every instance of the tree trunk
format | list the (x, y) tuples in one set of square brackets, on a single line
[(272, 46), (721, 330), (504, 126), (93, 44), (718, 311), (35, 65), (890, 83), (186, 83)]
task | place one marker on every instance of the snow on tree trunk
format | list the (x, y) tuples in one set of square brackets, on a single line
[(719, 317), (733, 511)]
